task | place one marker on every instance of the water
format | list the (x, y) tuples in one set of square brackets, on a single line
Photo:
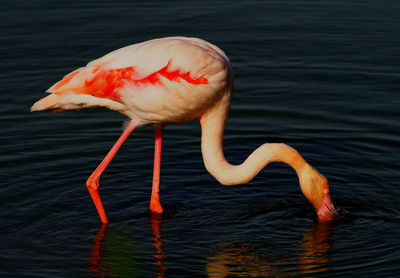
[(322, 76)]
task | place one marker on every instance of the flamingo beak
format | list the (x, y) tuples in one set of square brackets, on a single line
[(327, 212)]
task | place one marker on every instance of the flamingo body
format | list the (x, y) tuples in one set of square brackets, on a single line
[(161, 81), (174, 80)]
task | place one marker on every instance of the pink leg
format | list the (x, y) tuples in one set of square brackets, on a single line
[(92, 182), (155, 206)]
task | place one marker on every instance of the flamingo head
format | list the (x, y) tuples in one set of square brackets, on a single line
[(315, 188)]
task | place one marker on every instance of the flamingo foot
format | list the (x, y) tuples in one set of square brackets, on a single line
[(94, 193), (155, 205)]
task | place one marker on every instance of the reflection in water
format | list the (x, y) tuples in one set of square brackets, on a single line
[(243, 260), (96, 259), (159, 257), (113, 253), (314, 245)]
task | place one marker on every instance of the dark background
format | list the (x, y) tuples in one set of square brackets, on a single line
[(322, 76)]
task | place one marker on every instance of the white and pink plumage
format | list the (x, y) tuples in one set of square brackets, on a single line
[(174, 80)]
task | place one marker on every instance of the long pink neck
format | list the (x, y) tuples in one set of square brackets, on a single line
[(213, 125)]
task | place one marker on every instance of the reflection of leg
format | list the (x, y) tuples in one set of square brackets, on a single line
[(160, 257), (155, 205), (95, 259), (92, 182)]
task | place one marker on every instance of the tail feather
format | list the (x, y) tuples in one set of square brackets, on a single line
[(50, 102), (69, 82)]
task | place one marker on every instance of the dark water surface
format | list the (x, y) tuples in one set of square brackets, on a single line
[(322, 76)]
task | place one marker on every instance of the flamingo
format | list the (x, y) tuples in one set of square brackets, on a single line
[(174, 80)]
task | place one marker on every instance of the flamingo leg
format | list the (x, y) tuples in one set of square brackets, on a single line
[(155, 205), (92, 182)]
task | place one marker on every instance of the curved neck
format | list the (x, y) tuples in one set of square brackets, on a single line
[(212, 126)]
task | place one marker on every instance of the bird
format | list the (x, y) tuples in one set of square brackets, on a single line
[(174, 80)]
